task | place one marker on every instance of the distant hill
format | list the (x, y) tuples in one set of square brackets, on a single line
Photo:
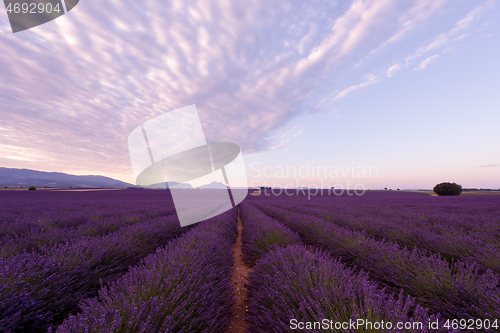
[(27, 178), (217, 185), (212, 185), (169, 184)]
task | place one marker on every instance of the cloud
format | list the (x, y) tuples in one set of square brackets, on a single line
[(426, 62), (393, 69), (407, 22), (455, 34), (371, 79), (336, 114), (73, 89), (281, 137), (19, 154), (489, 166)]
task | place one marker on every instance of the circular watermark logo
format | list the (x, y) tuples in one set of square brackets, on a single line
[(170, 150)]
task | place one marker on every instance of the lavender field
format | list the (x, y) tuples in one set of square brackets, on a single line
[(118, 261)]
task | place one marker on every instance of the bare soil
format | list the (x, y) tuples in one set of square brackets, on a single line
[(239, 277)]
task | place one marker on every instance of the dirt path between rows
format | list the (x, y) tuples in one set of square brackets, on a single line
[(239, 277)]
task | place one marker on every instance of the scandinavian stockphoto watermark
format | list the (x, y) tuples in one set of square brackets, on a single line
[(296, 180), (26, 14), (170, 150)]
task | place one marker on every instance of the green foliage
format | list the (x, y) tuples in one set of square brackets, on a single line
[(32, 188), (448, 189)]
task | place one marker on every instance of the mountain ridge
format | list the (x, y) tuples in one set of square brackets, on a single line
[(15, 177)]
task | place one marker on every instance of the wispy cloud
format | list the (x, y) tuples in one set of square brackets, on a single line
[(489, 166), (393, 69), (281, 137), (438, 44), (458, 32), (19, 154), (371, 79), (336, 114), (426, 62)]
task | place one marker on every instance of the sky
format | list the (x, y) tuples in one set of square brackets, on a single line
[(380, 93)]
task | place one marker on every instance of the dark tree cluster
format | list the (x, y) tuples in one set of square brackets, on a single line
[(448, 189)]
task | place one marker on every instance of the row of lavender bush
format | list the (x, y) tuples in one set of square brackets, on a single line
[(183, 287), (293, 286), (451, 243), (34, 240), (18, 222), (328, 290), (262, 233), (471, 217), (38, 290), (22, 213), (33, 225), (478, 216), (480, 223), (456, 290)]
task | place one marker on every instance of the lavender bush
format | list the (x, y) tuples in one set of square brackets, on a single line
[(294, 285), (58, 248), (49, 218), (183, 287), (35, 240), (261, 233), (458, 291), (38, 290), (451, 243)]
